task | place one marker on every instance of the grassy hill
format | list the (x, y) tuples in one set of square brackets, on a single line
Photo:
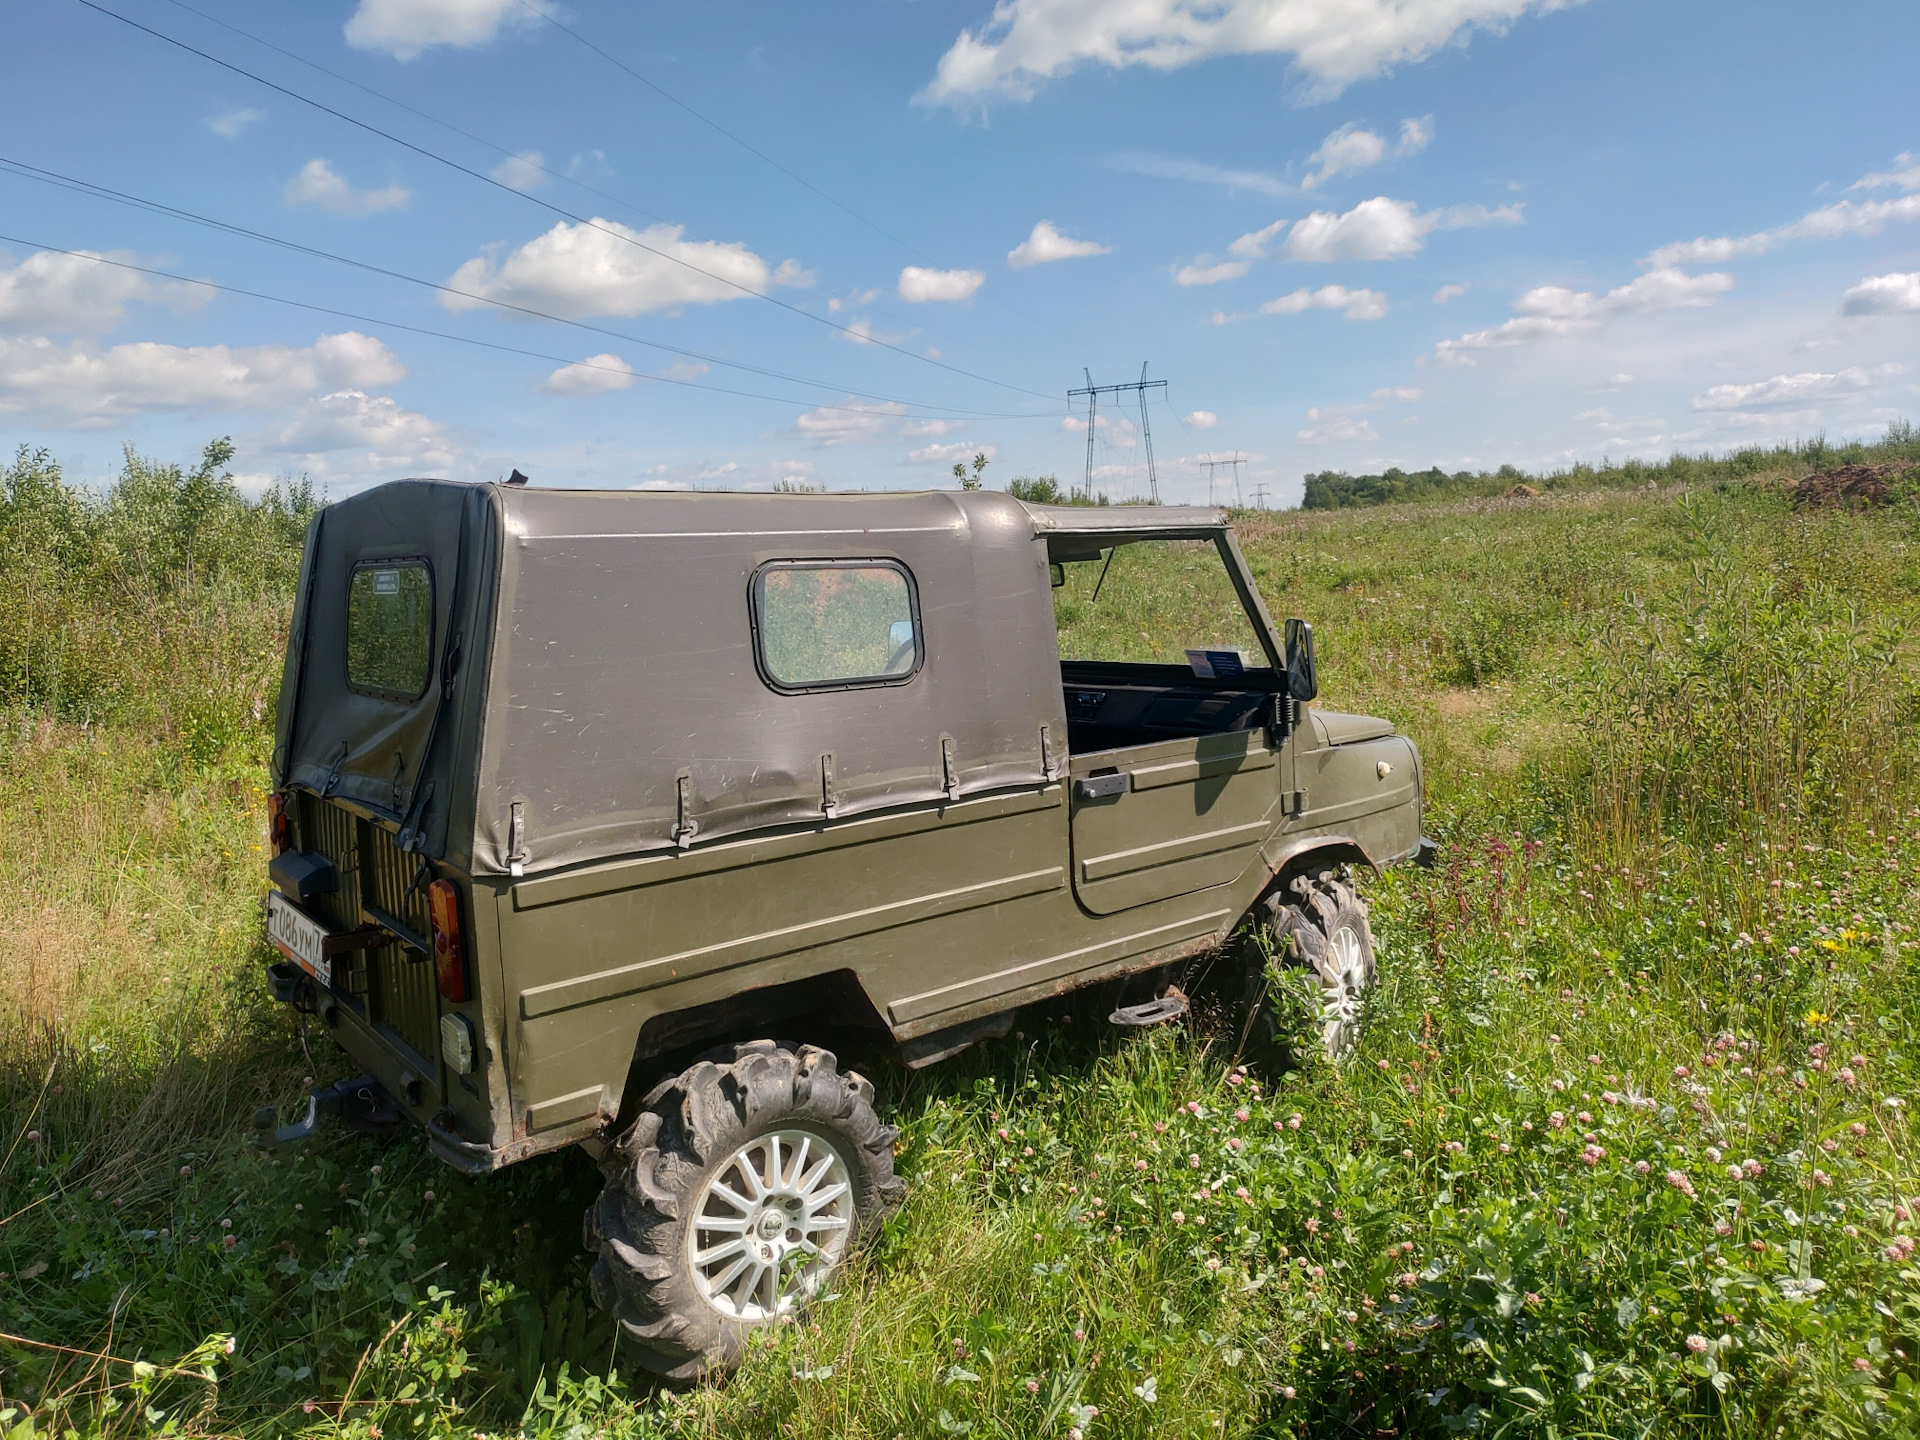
[(1626, 1148), (1335, 490)]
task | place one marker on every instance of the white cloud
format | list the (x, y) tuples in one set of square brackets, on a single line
[(919, 286), (1907, 177), (1415, 135), (1348, 148), (1202, 419), (686, 370), (1383, 229), (1617, 382), (1200, 173), (1449, 292), (600, 267), (1228, 317), (861, 332), (406, 28), (1358, 304), (1335, 41), (929, 429), (837, 303), (1204, 273), (729, 475), (355, 420), (1895, 294), (82, 386), (78, 295), (855, 421), (595, 375), (525, 171), (1784, 390), (947, 454), (318, 184), (1331, 425), (1396, 395), (1548, 311), (1253, 244), (233, 123), (1047, 244), (1843, 217)]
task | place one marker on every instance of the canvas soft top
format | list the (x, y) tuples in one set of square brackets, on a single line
[(601, 695)]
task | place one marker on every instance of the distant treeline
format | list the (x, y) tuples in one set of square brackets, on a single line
[(1334, 490)]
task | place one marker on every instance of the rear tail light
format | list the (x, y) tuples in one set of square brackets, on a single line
[(449, 961), (279, 823)]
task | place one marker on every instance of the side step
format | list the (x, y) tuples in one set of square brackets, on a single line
[(1170, 1006)]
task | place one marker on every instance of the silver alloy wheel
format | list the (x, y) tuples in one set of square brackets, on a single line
[(1341, 990), (770, 1223)]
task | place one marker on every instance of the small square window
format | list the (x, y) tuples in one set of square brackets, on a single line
[(827, 623), (390, 628)]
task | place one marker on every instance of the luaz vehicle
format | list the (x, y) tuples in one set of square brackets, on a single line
[(613, 819)]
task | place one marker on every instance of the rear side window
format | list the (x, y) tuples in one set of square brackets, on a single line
[(390, 628), (820, 624)]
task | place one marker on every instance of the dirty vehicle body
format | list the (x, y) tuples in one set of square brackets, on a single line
[(584, 798)]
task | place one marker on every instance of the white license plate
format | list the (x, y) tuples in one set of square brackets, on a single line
[(298, 938)]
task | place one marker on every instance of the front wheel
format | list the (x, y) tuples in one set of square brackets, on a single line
[(1317, 927), (744, 1184)]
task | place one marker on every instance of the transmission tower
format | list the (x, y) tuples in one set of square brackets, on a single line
[(1235, 463), (1139, 387), (1260, 496)]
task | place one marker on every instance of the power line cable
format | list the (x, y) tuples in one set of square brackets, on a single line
[(26, 171), (548, 205), (381, 323)]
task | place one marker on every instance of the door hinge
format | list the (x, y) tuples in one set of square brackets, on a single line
[(1049, 768), (829, 799), (683, 823), (1299, 802), (949, 768), (517, 841)]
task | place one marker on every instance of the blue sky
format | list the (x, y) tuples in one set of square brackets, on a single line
[(1347, 233)]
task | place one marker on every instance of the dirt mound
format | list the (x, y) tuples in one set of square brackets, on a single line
[(1852, 486), (1523, 492)]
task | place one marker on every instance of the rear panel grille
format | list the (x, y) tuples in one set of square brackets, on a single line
[(393, 985)]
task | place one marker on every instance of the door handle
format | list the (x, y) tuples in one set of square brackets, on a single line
[(1102, 787)]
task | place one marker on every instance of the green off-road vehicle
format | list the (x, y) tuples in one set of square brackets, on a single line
[(612, 818)]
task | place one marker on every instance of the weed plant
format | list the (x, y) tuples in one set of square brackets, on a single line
[(1624, 1148)]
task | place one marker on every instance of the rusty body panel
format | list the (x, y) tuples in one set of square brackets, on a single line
[(645, 814)]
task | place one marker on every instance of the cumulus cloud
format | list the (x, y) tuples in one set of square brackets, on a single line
[(1201, 419), (398, 439), (83, 386), (595, 375), (1844, 217), (1351, 149), (1358, 304), (1395, 395), (1253, 244), (1027, 42), (947, 454), (321, 186), (1383, 229), (849, 423), (231, 124), (1162, 167), (1206, 271), (1784, 391), (1047, 244), (919, 285), (1330, 425), (405, 29), (525, 171), (1550, 311), (79, 295), (1449, 292), (601, 267), (1894, 294)]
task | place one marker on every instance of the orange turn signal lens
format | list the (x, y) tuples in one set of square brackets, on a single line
[(449, 962), (279, 823)]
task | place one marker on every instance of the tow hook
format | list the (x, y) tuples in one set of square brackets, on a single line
[(360, 1104)]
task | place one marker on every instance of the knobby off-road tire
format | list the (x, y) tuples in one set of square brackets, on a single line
[(1319, 925), (746, 1180)]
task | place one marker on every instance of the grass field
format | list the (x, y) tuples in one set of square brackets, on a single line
[(1625, 1148)]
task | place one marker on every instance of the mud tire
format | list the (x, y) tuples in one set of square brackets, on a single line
[(692, 1127), (1318, 924)]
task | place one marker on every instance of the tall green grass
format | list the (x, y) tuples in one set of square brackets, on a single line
[(1670, 750)]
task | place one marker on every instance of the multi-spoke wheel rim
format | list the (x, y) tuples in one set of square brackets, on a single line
[(1344, 984), (770, 1223)]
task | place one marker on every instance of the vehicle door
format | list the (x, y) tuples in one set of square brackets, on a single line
[(1173, 777)]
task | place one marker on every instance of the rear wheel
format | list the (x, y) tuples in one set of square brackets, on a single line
[(1317, 927), (742, 1187)]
